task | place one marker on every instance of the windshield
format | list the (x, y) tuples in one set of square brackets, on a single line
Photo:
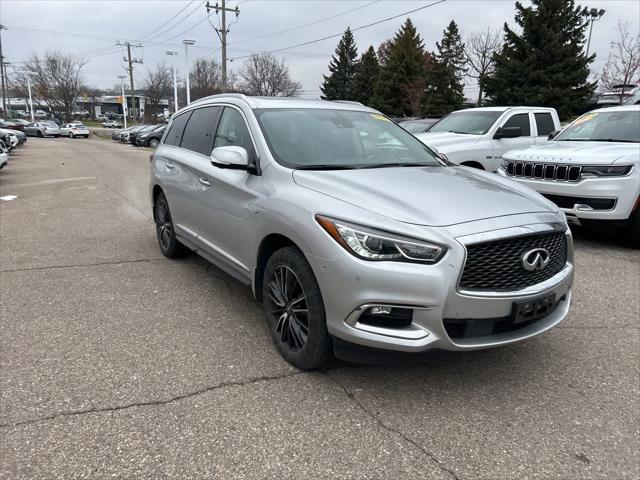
[(333, 139), (613, 126), (416, 127), (467, 121)]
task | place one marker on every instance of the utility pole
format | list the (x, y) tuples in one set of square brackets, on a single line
[(131, 61), (4, 90), (222, 34)]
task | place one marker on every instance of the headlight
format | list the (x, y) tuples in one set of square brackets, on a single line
[(370, 244), (607, 171)]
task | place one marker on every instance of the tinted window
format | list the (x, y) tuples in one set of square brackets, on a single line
[(177, 128), (520, 120), (198, 135), (233, 131), (544, 122)]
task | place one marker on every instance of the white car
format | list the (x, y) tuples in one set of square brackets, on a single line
[(12, 136), (112, 124), (478, 137), (75, 129), (3, 159), (591, 169)]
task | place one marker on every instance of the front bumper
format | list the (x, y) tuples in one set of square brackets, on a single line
[(620, 192), (350, 285)]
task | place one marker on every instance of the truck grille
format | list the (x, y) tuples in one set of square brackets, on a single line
[(497, 265), (542, 171)]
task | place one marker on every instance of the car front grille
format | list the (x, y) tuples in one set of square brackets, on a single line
[(543, 171), (497, 265)]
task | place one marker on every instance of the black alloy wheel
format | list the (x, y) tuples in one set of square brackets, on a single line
[(295, 310), (154, 142), (169, 244)]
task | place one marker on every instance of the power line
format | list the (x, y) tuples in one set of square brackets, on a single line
[(197, 7), (340, 34), (305, 25), (167, 22)]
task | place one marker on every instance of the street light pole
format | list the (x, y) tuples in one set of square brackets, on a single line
[(173, 53), (28, 74), (592, 14), (124, 99), (187, 66)]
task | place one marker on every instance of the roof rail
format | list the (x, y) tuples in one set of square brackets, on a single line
[(350, 102), (221, 95)]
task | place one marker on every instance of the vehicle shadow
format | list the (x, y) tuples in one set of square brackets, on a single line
[(602, 236)]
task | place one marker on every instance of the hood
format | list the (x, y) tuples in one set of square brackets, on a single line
[(437, 140), (433, 196), (583, 153)]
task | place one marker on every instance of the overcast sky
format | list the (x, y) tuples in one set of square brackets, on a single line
[(90, 28)]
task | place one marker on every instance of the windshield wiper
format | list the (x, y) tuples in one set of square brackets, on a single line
[(398, 164), (596, 140), (326, 166)]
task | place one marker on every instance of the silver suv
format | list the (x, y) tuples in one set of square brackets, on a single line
[(355, 236)]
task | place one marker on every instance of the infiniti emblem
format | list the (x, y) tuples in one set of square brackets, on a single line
[(536, 259)]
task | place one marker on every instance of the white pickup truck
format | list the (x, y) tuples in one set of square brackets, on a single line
[(478, 137)]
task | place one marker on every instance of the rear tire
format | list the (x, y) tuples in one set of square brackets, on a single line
[(39, 134), (165, 232), (153, 143), (70, 134), (295, 310)]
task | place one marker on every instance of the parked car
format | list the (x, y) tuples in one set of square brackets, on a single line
[(112, 124), (126, 133), (477, 137), (151, 138), (75, 129), (617, 95), (420, 125), (591, 169), (11, 125), (351, 240), (131, 138), (15, 137), (43, 129), (4, 156), (20, 121)]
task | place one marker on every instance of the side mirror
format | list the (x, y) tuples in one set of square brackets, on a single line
[(553, 135), (508, 132), (231, 157)]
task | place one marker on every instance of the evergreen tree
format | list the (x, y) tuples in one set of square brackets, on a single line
[(342, 68), (403, 71), (365, 77), (545, 64), (445, 87)]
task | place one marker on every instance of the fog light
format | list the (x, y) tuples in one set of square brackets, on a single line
[(380, 310)]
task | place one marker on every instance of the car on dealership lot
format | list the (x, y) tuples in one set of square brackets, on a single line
[(150, 137), (419, 125), (477, 137), (11, 125), (47, 128), (112, 124), (125, 134), (354, 235), (75, 129), (591, 169), (134, 133)]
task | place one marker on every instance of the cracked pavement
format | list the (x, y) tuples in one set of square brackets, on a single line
[(116, 362)]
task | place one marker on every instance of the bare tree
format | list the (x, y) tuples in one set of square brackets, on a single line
[(205, 78), (415, 91), (158, 84), (479, 50), (623, 65), (56, 81), (262, 74)]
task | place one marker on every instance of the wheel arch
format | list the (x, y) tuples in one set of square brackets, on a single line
[(157, 190), (270, 244)]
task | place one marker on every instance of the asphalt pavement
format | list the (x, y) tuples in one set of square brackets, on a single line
[(116, 362)]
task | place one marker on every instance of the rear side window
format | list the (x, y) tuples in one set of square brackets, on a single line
[(520, 120), (174, 136), (233, 131), (198, 135), (544, 122)]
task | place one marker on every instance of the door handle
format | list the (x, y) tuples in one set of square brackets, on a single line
[(204, 181), (170, 166)]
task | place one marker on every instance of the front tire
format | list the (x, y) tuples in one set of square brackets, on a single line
[(153, 143), (167, 241), (295, 310), (70, 134)]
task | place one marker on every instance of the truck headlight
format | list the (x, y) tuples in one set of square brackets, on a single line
[(607, 171), (376, 245)]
